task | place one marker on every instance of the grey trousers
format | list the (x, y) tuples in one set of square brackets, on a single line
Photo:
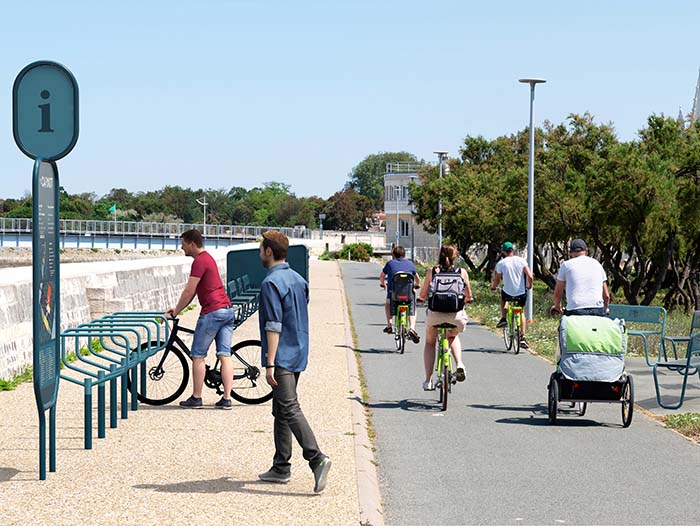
[(289, 420)]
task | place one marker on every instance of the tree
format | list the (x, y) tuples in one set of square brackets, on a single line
[(367, 178), (347, 210)]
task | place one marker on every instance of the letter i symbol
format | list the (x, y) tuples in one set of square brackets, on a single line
[(45, 114)]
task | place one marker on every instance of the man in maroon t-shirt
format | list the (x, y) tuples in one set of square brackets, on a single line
[(215, 321)]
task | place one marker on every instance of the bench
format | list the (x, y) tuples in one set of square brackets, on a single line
[(674, 340), (687, 366), (245, 299), (105, 350), (652, 318)]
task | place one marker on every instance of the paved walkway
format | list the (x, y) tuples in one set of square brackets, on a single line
[(492, 458), (167, 465)]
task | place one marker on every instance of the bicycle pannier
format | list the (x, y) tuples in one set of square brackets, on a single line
[(446, 293)]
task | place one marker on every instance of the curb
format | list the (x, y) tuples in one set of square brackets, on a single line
[(371, 512)]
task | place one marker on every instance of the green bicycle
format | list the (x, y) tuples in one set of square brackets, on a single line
[(444, 368), (401, 327), (513, 330)]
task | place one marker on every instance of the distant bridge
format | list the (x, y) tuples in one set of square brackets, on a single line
[(75, 233)]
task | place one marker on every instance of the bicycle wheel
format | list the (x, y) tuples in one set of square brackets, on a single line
[(517, 338), (507, 336), (249, 384), (627, 402), (404, 333), (167, 374), (582, 406), (445, 388), (552, 400)]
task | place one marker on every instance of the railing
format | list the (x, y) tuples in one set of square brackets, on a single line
[(135, 228), (406, 167)]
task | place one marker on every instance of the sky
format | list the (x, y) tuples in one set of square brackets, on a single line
[(217, 94)]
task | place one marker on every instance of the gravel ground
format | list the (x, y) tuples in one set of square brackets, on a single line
[(167, 465)]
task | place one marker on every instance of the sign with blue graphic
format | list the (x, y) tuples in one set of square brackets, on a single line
[(45, 111)]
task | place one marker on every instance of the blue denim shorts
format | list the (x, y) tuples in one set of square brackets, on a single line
[(216, 325)]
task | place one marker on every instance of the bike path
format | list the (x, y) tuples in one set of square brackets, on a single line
[(492, 458)]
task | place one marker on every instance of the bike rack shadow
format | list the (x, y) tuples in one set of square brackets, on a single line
[(221, 485), (7, 474)]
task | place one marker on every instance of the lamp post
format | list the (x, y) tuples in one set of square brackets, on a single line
[(413, 212), (321, 217), (442, 155), (531, 191), (204, 203), (397, 194)]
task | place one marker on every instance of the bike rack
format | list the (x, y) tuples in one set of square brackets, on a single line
[(115, 334)]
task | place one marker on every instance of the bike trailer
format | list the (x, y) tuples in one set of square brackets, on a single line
[(592, 348), (402, 288)]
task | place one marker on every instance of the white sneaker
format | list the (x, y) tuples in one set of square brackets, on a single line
[(428, 385)]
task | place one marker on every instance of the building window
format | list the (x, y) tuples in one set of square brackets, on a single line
[(405, 193), (403, 228)]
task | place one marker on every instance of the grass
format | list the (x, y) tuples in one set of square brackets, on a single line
[(542, 332), (27, 374), (364, 396), (687, 424)]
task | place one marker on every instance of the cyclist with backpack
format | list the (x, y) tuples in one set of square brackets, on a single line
[(399, 265), (447, 289)]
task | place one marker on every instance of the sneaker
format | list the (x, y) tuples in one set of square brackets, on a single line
[(388, 329), (428, 385), (523, 344), (224, 403), (501, 323), (274, 476), (460, 374), (192, 402), (413, 335), (321, 474)]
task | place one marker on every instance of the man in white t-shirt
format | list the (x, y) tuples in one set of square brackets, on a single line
[(585, 282), (517, 280)]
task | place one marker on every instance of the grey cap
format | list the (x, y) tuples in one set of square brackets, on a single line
[(578, 245)]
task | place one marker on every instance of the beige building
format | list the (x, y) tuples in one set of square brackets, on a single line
[(401, 227)]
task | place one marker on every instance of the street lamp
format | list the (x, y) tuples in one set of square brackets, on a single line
[(204, 203), (413, 212), (397, 194), (442, 155), (531, 191), (321, 217)]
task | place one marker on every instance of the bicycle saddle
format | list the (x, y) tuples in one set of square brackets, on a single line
[(445, 326)]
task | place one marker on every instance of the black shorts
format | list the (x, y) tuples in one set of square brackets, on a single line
[(517, 301)]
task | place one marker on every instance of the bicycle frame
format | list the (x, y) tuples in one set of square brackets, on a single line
[(444, 356), (401, 317), (514, 317), (175, 339)]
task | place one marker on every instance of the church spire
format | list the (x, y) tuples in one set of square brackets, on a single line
[(680, 119), (695, 114)]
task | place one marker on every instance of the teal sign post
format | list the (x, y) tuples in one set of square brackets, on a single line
[(45, 128)]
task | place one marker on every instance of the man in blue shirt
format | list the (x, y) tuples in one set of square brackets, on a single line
[(399, 263), (284, 333)]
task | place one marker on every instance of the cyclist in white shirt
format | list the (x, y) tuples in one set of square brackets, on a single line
[(585, 283), (517, 280)]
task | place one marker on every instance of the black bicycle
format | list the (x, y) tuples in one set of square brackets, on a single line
[(163, 376)]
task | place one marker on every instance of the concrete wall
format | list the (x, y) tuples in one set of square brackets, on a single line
[(88, 291)]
